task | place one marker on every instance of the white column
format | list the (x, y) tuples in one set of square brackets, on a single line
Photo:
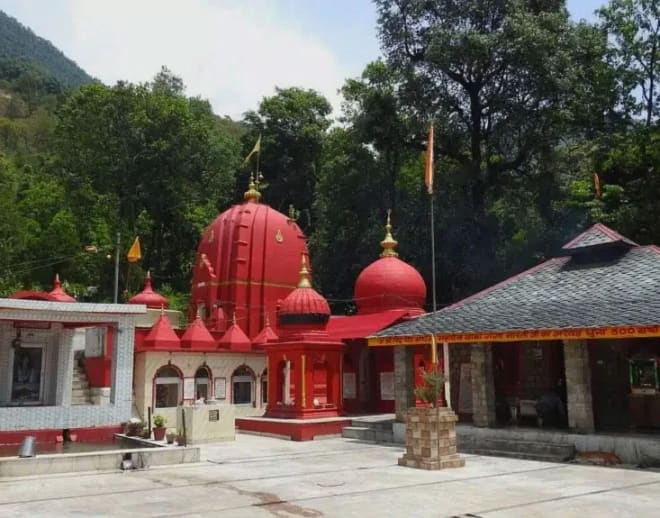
[(286, 396), (64, 371)]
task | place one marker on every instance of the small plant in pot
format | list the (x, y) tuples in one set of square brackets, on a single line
[(431, 390), (159, 428), (170, 436)]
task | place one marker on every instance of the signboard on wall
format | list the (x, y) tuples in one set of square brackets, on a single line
[(387, 386), (220, 388), (465, 389), (189, 388), (348, 387)]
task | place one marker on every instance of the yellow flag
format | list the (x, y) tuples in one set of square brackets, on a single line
[(135, 253), (255, 149)]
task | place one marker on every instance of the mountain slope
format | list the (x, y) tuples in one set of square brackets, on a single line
[(18, 41)]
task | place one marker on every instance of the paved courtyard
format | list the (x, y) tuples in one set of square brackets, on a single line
[(260, 476)]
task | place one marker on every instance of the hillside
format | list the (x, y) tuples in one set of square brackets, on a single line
[(18, 41)]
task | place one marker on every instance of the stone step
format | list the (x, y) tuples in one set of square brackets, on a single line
[(358, 432), (558, 451), (79, 384), (517, 455), (80, 400), (381, 426), (364, 433)]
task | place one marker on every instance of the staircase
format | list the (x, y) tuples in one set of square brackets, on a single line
[(369, 429), (515, 448), (80, 394)]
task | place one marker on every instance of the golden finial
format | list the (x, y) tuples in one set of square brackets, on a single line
[(293, 213), (253, 194), (304, 281), (389, 243)]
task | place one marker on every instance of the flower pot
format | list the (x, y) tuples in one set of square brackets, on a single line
[(159, 433), (170, 437)]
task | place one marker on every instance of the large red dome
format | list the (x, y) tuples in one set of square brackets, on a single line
[(389, 282), (246, 262)]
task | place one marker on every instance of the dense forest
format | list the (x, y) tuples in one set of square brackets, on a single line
[(528, 107), (17, 41)]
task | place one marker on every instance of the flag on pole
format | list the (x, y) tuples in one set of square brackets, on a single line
[(428, 172), (135, 252), (597, 185), (255, 149)]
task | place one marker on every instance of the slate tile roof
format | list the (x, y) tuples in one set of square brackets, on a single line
[(616, 288)]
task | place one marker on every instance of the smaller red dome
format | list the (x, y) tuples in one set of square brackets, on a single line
[(58, 293), (389, 282), (235, 339), (197, 336), (162, 336), (149, 297), (266, 334), (304, 305)]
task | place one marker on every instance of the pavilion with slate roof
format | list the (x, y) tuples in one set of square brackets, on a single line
[(573, 328)]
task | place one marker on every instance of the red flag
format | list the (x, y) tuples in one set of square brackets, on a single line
[(597, 185), (428, 172)]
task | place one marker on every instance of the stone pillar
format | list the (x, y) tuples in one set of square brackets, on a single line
[(404, 381), (483, 386), (64, 368), (578, 386)]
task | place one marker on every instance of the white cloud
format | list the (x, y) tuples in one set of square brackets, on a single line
[(233, 54)]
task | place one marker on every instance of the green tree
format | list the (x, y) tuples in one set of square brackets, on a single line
[(634, 26), (292, 124)]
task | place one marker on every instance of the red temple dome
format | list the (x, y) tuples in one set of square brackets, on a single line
[(235, 339), (304, 305), (197, 336), (266, 334), (389, 282), (149, 297), (162, 336), (58, 294), (246, 261)]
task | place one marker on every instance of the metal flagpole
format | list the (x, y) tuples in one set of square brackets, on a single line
[(117, 268)]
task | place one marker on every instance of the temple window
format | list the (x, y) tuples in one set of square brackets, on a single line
[(242, 384), (167, 387), (202, 383)]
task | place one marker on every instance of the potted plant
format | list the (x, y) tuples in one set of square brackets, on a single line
[(170, 436), (159, 428), (431, 429)]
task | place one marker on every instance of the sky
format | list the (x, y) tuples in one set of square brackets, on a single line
[(232, 52)]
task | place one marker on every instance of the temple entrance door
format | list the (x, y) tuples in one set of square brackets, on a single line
[(609, 384)]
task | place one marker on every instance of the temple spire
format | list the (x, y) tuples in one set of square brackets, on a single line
[(304, 281), (389, 243)]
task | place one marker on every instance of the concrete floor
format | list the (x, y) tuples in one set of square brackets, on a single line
[(261, 476)]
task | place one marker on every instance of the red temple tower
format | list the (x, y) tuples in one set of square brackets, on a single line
[(246, 261), (304, 364)]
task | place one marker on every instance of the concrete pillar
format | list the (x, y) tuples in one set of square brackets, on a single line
[(64, 384), (404, 381), (483, 386), (578, 386)]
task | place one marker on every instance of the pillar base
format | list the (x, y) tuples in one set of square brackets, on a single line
[(431, 439)]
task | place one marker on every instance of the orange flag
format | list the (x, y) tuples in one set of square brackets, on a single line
[(597, 185), (135, 253), (428, 172)]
